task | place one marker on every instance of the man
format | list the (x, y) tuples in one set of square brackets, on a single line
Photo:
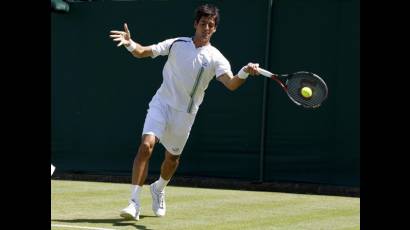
[(192, 63)]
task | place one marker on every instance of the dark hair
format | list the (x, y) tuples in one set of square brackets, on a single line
[(207, 10)]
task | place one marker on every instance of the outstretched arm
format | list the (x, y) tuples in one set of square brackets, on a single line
[(233, 82), (124, 38)]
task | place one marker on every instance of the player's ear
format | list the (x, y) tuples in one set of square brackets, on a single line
[(195, 24)]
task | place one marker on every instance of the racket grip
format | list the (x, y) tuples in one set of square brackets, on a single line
[(265, 72)]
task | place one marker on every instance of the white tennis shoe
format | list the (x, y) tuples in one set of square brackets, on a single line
[(158, 201), (131, 212)]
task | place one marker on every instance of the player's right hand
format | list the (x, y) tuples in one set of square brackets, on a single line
[(252, 68), (123, 37)]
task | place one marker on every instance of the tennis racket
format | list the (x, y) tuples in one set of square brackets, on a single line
[(305, 89)]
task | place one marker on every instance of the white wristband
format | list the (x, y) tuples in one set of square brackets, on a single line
[(242, 74), (132, 46)]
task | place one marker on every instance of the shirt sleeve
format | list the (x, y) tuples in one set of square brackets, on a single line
[(222, 66), (161, 48)]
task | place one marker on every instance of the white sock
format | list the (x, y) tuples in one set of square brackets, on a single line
[(135, 193), (160, 184)]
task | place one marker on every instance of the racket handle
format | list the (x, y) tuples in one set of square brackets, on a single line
[(265, 72)]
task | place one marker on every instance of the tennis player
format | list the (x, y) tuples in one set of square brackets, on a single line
[(192, 63)]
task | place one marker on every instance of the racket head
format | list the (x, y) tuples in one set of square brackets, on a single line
[(296, 81)]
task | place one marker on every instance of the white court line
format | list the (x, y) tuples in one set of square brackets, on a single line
[(81, 227)]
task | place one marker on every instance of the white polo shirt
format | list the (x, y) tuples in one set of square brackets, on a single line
[(187, 72)]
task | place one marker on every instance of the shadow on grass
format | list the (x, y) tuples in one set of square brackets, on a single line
[(119, 222)]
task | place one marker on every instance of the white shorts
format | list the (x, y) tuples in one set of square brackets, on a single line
[(170, 126)]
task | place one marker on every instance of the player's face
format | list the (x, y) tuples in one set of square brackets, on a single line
[(205, 28)]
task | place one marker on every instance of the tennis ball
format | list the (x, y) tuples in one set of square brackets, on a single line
[(306, 92)]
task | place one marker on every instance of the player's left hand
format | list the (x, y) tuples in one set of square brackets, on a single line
[(122, 37), (252, 68)]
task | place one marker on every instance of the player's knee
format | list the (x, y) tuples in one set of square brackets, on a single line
[(145, 149), (174, 160)]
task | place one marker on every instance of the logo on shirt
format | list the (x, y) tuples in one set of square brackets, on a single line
[(203, 60)]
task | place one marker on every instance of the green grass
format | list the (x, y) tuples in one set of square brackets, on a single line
[(97, 205)]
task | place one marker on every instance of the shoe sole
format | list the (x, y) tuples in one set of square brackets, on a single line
[(128, 216)]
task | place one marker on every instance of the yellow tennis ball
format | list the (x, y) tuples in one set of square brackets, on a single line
[(306, 92)]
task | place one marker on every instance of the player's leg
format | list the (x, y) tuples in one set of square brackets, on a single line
[(139, 173), (168, 168), (174, 139), (141, 161), (154, 126)]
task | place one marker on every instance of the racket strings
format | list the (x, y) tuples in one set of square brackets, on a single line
[(319, 89)]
